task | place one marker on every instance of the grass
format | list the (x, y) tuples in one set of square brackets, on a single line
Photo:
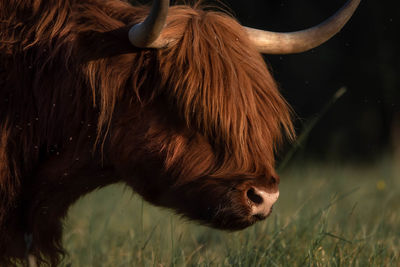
[(326, 216)]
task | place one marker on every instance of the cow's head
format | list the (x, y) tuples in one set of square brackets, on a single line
[(199, 130)]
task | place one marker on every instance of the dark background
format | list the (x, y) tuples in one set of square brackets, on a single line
[(364, 57), (364, 124)]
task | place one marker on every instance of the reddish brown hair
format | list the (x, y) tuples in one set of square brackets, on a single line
[(209, 78), (66, 63)]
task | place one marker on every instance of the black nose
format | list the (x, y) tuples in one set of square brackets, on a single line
[(260, 201), (254, 197)]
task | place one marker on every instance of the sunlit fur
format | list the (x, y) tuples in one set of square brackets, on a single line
[(190, 127)]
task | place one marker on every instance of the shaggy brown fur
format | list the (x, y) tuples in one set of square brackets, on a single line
[(190, 127)]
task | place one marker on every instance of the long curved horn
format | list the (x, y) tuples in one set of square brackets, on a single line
[(301, 41), (144, 34)]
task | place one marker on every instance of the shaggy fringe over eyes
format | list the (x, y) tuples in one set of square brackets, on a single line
[(221, 86), (212, 76)]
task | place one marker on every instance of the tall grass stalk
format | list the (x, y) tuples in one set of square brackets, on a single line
[(309, 126)]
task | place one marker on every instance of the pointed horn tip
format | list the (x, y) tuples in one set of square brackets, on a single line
[(301, 41)]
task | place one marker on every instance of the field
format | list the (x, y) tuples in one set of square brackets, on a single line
[(327, 215)]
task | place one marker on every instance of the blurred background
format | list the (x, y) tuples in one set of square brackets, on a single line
[(365, 123)]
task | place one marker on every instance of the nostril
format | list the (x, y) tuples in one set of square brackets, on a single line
[(254, 197), (275, 179)]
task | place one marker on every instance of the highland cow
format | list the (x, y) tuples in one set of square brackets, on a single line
[(176, 102)]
